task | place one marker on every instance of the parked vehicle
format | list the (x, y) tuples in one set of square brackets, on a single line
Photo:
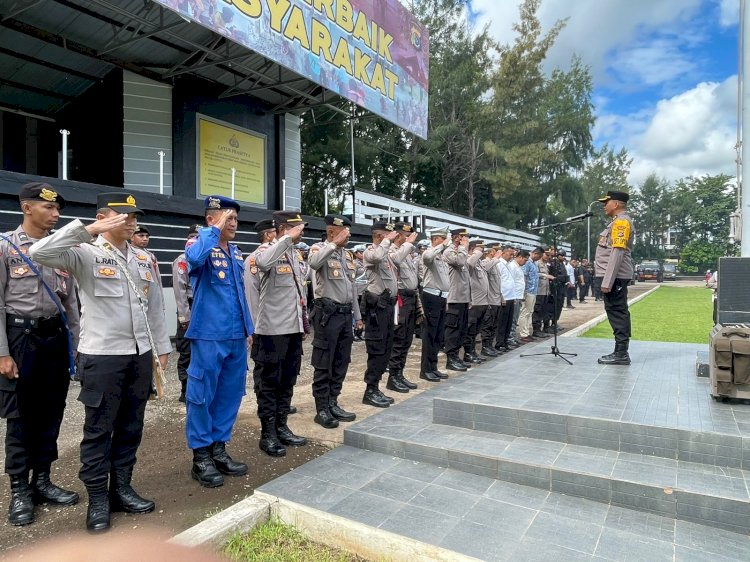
[(650, 270), (669, 272)]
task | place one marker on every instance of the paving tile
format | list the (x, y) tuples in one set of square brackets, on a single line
[(458, 480), (623, 546), (726, 514), (586, 459), (534, 550), (444, 500), (420, 524), (565, 532), (710, 540), (519, 473), (643, 469), (424, 472), (684, 554), (576, 508), (516, 494), (647, 525), (362, 457), (370, 509), (492, 545), (643, 498), (712, 484), (533, 451), (394, 487), (316, 493)]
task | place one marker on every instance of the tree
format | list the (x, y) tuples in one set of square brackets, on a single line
[(650, 206)]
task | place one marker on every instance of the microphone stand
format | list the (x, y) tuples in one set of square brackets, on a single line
[(555, 350)]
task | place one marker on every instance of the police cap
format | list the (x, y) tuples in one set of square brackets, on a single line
[(38, 191), (262, 226), (615, 196), (216, 202), (337, 220), (404, 227), (141, 229), (459, 232), (193, 230), (442, 232), (118, 201), (292, 218), (381, 225)]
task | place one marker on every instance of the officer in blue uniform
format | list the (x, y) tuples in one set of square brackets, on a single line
[(219, 331)]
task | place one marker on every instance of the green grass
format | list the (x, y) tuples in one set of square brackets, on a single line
[(276, 542), (674, 314)]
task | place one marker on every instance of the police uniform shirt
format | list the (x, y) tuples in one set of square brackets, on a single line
[(183, 291), (22, 292), (112, 322), (613, 259), (360, 276), (434, 269), (479, 283), (381, 268), (408, 278), (458, 274), (543, 288), (281, 289), (494, 297), (252, 283), (153, 259), (335, 272)]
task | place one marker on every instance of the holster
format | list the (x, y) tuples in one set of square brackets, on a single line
[(325, 308)]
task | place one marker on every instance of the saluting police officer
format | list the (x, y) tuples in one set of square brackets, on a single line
[(266, 232), (408, 302), (183, 296), (336, 306), (489, 325), (34, 356), (360, 282), (479, 285), (459, 297), (614, 266), (435, 287), (219, 331), (140, 240), (280, 327), (122, 327), (380, 299)]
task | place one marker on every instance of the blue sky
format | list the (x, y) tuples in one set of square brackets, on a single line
[(664, 75)]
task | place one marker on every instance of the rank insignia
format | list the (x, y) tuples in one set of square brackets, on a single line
[(48, 195), (107, 271), (141, 257), (217, 263), (148, 276), (145, 290), (130, 200), (224, 263), (336, 273), (222, 275), (253, 270), (21, 270), (214, 203)]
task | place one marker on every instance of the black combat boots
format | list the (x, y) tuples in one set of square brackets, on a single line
[(403, 380), (394, 383), (618, 357), (224, 463), (21, 508), (97, 514), (44, 491), (455, 364), (339, 413), (325, 416), (204, 469), (269, 440), (373, 397), (286, 435), (122, 496)]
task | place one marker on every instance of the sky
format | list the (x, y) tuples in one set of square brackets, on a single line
[(664, 73)]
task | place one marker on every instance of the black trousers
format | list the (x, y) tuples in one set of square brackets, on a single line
[(33, 404), (456, 324), (559, 301), (403, 333), (331, 355), (540, 316), (505, 323), (616, 307), (583, 291), (182, 344), (277, 363), (433, 327), (596, 287), (378, 319), (474, 325), (114, 391), (490, 325)]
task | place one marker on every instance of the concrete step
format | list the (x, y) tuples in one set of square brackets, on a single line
[(706, 447), (702, 493), (402, 509)]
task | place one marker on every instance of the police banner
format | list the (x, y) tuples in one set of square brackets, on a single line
[(372, 52)]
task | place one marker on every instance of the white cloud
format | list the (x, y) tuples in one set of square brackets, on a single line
[(729, 12), (691, 133)]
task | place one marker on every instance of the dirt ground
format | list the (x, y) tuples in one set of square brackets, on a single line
[(164, 461)]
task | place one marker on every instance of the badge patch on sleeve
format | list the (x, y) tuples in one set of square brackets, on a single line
[(620, 233)]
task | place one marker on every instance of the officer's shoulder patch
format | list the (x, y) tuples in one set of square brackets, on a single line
[(299, 256), (620, 233)]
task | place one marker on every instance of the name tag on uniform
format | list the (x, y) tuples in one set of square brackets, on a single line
[(334, 264), (283, 269)]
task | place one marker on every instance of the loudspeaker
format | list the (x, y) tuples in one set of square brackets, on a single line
[(733, 298)]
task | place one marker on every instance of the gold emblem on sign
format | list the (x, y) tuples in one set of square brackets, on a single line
[(20, 270), (130, 200), (48, 195), (107, 271)]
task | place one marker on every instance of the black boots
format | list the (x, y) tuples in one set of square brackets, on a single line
[(182, 392), (339, 413), (394, 383), (373, 397), (269, 440), (44, 491), (429, 376), (488, 351), (618, 357), (21, 508), (325, 418), (204, 469), (224, 463), (286, 435), (122, 496), (97, 515), (455, 364)]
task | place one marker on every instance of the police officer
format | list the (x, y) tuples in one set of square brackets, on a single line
[(408, 302), (280, 327), (266, 232), (34, 356), (435, 287), (479, 285), (360, 282), (336, 307), (380, 299), (218, 333), (123, 310), (614, 266), (494, 299), (140, 240), (459, 297), (183, 295)]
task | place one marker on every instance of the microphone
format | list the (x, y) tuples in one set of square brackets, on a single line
[(579, 217)]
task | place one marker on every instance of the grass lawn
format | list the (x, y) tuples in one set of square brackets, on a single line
[(676, 314), (276, 542)]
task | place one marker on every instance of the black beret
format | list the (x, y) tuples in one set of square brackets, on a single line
[(337, 220), (38, 191)]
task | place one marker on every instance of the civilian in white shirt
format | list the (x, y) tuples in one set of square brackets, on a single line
[(571, 286), (519, 284), (508, 293)]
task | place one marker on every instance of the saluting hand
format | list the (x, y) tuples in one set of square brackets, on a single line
[(392, 235), (296, 232), (111, 222), (223, 218), (411, 238), (464, 241), (342, 237), (8, 367)]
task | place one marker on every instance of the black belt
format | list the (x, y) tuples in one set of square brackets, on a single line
[(39, 323), (343, 308), (336, 307), (407, 292)]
